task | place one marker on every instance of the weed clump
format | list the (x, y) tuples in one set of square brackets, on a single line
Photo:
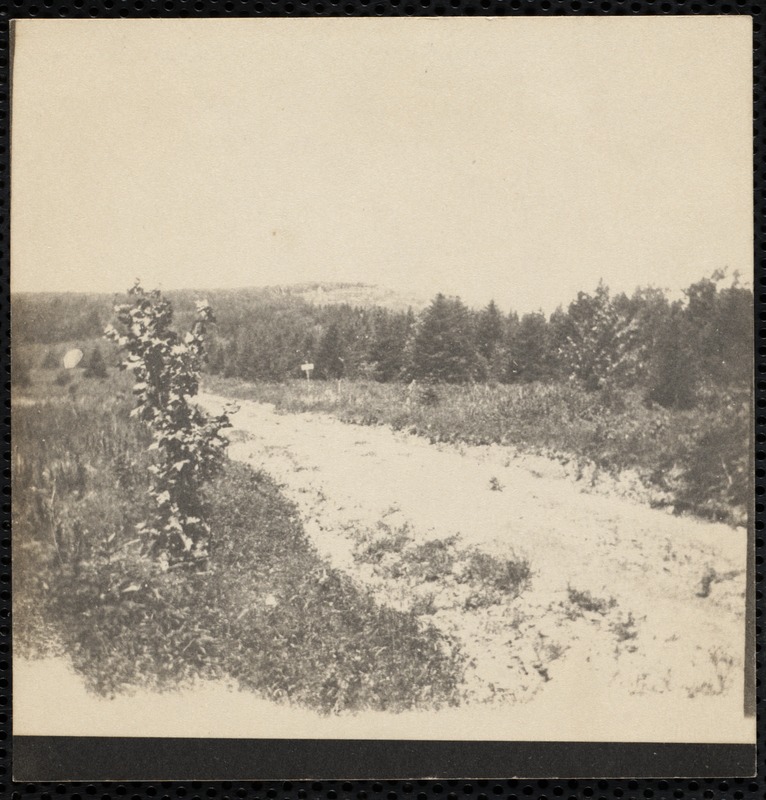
[(490, 580), (585, 601), (507, 576)]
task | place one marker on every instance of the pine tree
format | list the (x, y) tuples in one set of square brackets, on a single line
[(388, 343), (673, 379), (331, 355), (558, 333), (720, 321), (444, 347), (96, 367), (490, 335), (530, 357)]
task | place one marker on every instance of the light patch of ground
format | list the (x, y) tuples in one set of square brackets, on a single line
[(622, 601)]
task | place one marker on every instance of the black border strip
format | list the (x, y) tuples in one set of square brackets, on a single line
[(63, 758)]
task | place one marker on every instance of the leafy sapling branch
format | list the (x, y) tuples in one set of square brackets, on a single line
[(186, 441)]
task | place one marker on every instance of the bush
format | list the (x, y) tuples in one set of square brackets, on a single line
[(428, 395), (717, 475), (508, 576), (187, 442)]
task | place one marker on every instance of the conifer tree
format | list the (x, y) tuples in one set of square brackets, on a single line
[(490, 334), (96, 367), (331, 354), (529, 350), (672, 376), (444, 346), (388, 343)]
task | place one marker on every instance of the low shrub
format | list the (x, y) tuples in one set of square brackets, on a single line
[(585, 601), (508, 576)]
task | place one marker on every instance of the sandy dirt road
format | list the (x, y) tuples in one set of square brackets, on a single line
[(624, 602), (630, 626)]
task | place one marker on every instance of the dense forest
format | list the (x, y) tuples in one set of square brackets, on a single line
[(672, 350)]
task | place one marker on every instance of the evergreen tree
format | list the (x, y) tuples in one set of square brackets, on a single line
[(96, 367), (388, 343), (490, 335), (672, 377), (558, 333), (529, 351), (444, 347), (307, 351), (649, 312), (330, 360), (509, 366)]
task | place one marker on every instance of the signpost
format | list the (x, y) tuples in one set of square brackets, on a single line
[(308, 369)]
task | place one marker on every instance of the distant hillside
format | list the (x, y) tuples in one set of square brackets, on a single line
[(361, 295), (48, 317)]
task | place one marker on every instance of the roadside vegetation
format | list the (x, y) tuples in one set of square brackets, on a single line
[(690, 460), (248, 601)]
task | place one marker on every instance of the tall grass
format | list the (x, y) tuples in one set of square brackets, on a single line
[(268, 613), (695, 460)]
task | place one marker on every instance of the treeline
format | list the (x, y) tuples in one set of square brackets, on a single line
[(671, 350)]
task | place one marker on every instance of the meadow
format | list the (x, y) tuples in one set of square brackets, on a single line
[(690, 461), (285, 628)]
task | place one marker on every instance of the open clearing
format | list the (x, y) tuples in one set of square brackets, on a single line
[(622, 602)]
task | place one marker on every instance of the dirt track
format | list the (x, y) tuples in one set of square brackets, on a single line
[(630, 629), (624, 601)]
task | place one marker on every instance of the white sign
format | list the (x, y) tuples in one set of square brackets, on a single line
[(72, 358), (307, 367)]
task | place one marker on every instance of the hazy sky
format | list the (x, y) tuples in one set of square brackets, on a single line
[(520, 159)]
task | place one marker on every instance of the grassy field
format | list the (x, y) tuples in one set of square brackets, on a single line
[(267, 614), (694, 461)]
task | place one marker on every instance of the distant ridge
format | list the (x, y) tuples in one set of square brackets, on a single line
[(316, 293), (354, 294)]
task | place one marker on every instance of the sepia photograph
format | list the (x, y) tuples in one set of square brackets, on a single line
[(383, 380)]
